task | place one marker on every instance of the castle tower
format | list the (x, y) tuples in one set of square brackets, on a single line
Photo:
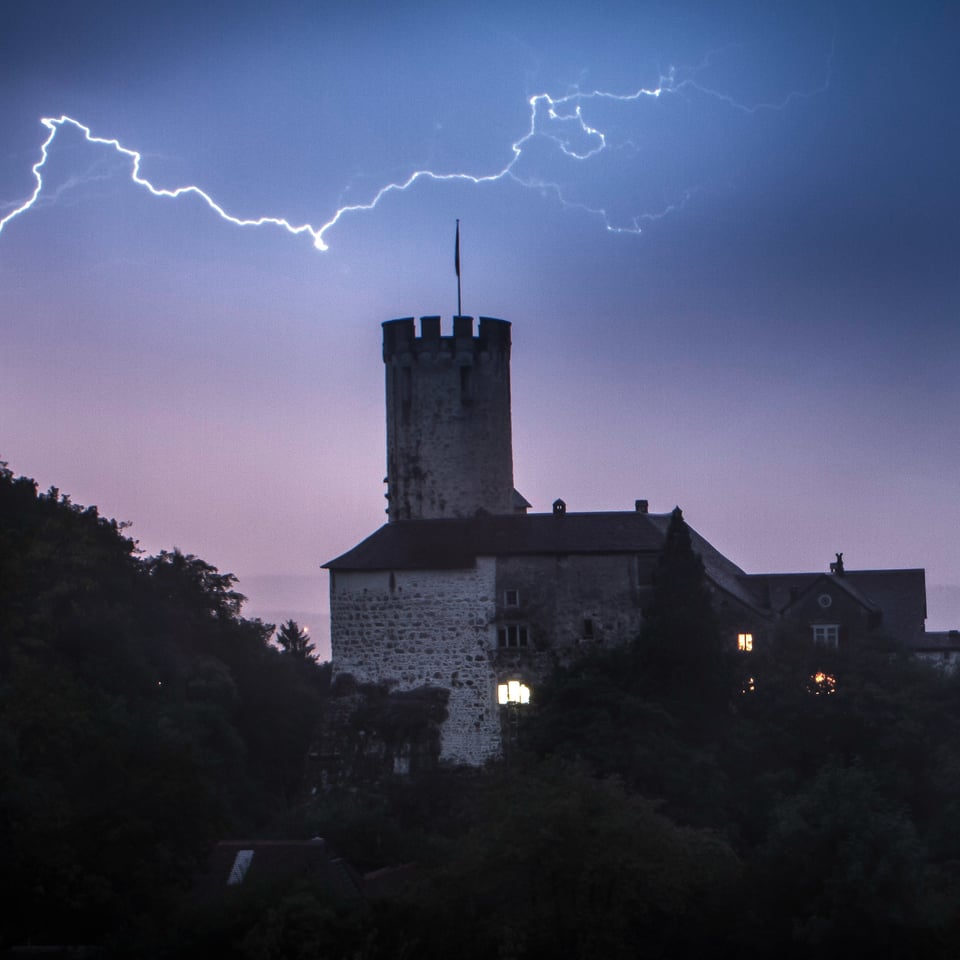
[(449, 445)]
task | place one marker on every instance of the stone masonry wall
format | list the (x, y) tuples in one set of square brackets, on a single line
[(449, 450), (415, 628), (552, 597), (556, 594)]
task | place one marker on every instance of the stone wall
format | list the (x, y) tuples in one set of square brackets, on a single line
[(410, 629), (571, 601), (449, 448)]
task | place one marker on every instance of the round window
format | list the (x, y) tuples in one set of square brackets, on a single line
[(824, 600)]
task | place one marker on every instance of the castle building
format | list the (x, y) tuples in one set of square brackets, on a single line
[(465, 590)]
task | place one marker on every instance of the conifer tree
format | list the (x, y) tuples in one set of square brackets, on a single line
[(295, 641), (681, 649)]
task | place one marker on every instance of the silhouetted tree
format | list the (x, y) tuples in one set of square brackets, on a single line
[(141, 717), (843, 873), (559, 863), (295, 640), (681, 651)]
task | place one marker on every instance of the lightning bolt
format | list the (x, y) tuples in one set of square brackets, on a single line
[(559, 120)]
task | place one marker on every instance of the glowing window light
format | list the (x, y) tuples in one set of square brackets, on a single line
[(824, 683), (745, 642), (513, 691)]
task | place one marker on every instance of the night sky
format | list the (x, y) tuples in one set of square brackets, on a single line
[(740, 296)]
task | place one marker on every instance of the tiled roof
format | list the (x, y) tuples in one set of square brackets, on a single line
[(455, 544), (899, 594)]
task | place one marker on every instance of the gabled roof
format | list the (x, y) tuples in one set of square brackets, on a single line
[(900, 595), (803, 588)]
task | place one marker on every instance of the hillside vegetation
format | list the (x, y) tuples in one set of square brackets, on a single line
[(141, 719), (665, 800)]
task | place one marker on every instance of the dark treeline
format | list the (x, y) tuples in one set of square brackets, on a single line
[(667, 800), (141, 720)]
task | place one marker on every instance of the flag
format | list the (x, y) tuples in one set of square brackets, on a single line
[(456, 251)]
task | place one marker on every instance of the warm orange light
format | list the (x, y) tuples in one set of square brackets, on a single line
[(745, 642), (824, 682)]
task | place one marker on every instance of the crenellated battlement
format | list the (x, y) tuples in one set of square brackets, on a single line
[(448, 418), (400, 339)]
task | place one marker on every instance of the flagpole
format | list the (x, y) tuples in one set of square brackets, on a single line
[(456, 266)]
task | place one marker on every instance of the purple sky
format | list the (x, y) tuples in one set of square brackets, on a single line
[(775, 351)]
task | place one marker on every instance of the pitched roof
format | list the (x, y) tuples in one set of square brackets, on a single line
[(456, 543), (899, 594), (234, 864), (721, 570), (801, 585)]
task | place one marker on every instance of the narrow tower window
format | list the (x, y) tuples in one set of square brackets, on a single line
[(406, 390)]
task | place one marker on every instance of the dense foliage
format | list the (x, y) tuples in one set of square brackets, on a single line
[(669, 799), (141, 718)]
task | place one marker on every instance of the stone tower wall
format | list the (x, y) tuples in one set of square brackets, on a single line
[(449, 445), (411, 629)]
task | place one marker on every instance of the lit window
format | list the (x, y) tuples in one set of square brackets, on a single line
[(826, 633), (513, 691), (511, 598), (824, 683), (512, 635), (745, 642)]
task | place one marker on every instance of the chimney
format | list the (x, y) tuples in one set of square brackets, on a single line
[(642, 506), (559, 508)]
